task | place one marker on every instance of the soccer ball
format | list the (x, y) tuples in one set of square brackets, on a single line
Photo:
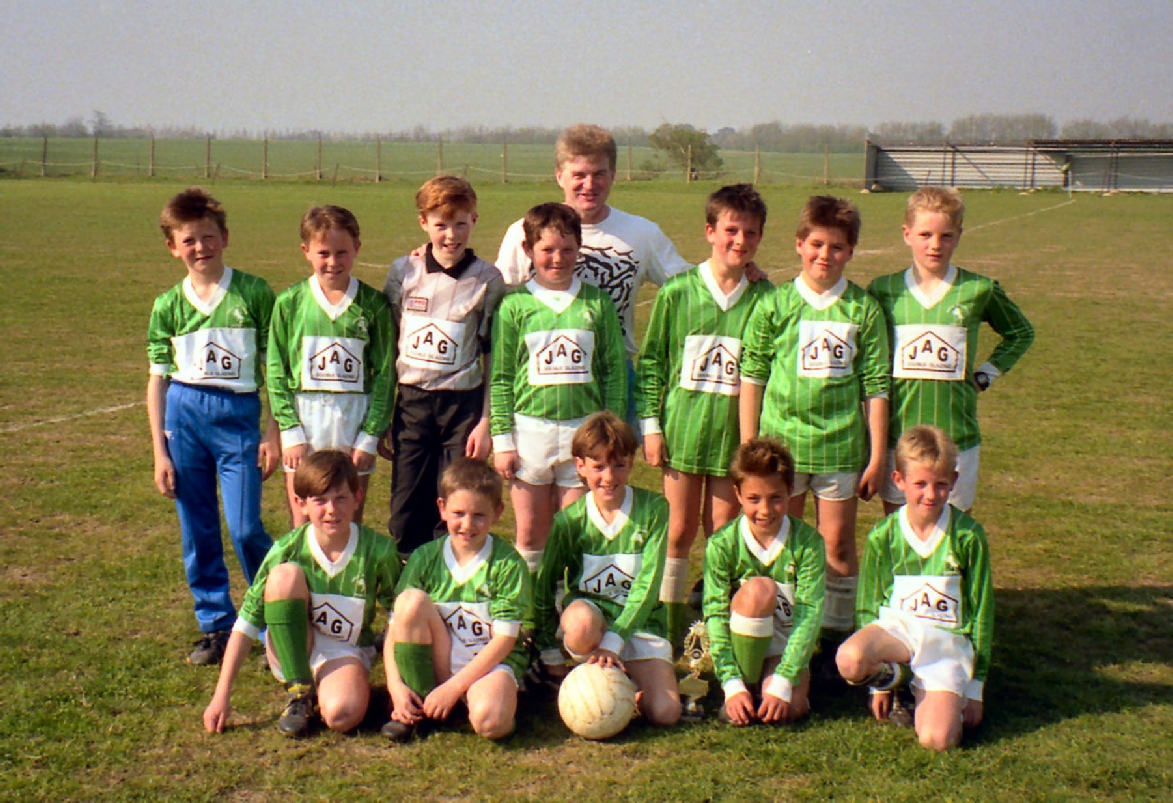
[(596, 703)]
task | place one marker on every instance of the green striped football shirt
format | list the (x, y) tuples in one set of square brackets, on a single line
[(934, 349), (944, 581), (557, 355), (794, 561), (487, 596), (343, 593), (318, 347), (687, 380), (618, 567), (215, 343), (819, 357)]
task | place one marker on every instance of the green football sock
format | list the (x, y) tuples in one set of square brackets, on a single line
[(750, 638), (414, 662), (289, 627)]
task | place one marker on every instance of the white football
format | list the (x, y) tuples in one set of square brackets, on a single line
[(596, 703)]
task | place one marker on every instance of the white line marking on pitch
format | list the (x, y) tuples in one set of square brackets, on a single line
[(62, 418)]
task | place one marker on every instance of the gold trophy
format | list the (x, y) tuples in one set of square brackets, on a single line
[(692, 688)]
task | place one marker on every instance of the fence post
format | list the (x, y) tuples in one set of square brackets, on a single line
[(757, 162), (94, 166), (151, 159), (319, 168), (504, 158), (378, 159), (688, 166), (264, 158), (439, 156), (208, 156), (826, 165), (629, 158), (44, 153)]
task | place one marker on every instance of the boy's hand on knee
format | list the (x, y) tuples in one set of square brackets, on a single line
[(881, 704), (506, 464), (216, 716), (165, 476), (441, 700), (292, 456), (406, 706), (971, 715), (479, 443), (739, 708), (363, 461), (268, 457), (654, 452)]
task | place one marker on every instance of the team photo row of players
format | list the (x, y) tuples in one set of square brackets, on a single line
[(517, 360)]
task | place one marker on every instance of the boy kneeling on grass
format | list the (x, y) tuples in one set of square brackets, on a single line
[(763, 603), (926, 600), (460, 605), (315, 593)]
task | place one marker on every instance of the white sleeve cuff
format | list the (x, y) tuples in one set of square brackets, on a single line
[(611, 642), (505, 628), (247, 629), (989, 370), (292, 437), (552, 657), (158, 369), (649, 426), (504, 443), (366, 442), (974, 689), (734, 686), (778, 686), (749, 380)]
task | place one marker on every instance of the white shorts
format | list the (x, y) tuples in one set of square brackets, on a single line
[(637, 647), (543, 451), (832, 487), (964, 492), (941, 661), (332, 420), (323, 650)]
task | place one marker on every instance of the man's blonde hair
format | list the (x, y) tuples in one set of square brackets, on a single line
[(943, 200), (587, 140)]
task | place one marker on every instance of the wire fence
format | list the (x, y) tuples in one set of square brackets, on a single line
[(212, 159)]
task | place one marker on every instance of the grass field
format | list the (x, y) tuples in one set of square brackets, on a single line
[(97, 702), (184, 159)]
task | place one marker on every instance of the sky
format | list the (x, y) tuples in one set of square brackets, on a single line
[(367, 67)]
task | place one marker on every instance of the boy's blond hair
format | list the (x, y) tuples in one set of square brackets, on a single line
[(445, 196), (928, 446), (829, 212), (604, 437), (560, 217), (943, 200), (191, 205), (587, 140), (762, 457), (322, 471), (319, 220), (736, 198), (474, 476)]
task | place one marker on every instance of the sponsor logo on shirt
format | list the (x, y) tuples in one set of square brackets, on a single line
[(416, 304), (332, 622), (561, 357), (430, 344), (827, 352), (216, 362), (928, 602), (467, 627), (930, 353), (611, 581), (335, 363), (718, 364)]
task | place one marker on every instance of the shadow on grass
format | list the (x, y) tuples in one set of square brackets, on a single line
[(1065, 653)]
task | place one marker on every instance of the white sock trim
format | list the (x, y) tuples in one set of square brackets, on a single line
[(839, 602), (752, 626), (674, 586), (532, 558)]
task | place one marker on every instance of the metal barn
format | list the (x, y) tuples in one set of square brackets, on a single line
[(1077, 165)]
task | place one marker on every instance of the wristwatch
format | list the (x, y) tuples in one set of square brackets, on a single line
[(981, 379)]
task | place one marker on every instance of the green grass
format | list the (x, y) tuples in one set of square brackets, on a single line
[(97, 702), (190, 159)]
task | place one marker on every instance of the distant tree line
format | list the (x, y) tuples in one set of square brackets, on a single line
[(675, 141)]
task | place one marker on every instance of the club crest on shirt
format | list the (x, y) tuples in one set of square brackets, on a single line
[(335, 363), (467, 627), (238, 315), (929, 602), (216, 362), (360, 323), (959, 314), (330, 621)]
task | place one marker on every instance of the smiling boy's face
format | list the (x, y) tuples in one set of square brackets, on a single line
[(449, 235), (468, 516), (554, 256), (735, 238), (331, 254), (200, 246), (932, 238), (825, 252)]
